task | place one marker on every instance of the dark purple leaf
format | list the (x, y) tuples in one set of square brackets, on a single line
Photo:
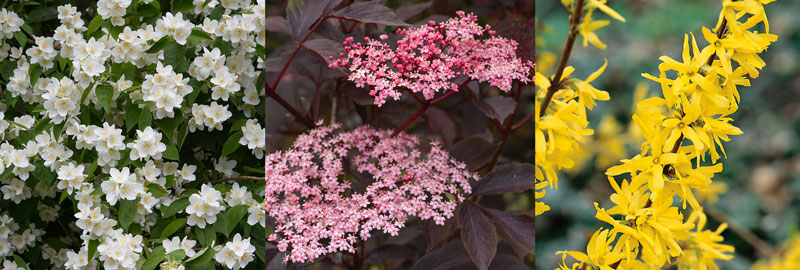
[(517, 229), (447, 257), (434, 233), (331, 30), (278, 24), (302, 14), (390, 253), (275, 259), (410, 10), (324, 48), (369, 12), (497, 107), (506, 178), (478, 234), (474, 151), (442, 124), (507, 262)]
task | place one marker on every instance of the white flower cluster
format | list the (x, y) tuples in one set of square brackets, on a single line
[(175, 26), (11, 242), (10, 22), (238, 195), (147, 144), (235, 254), (62, 98), (177, 243), (121, 185), (94, 222), (211, 116), (20, 82), (89, 56), (113, 9), (70, 17), (106, 140), (132, 45), (165, 90), (204, 206), (254, 137), (120, 250), (43, 53)]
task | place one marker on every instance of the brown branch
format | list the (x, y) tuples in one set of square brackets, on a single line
[(762, 246), (555, 83)]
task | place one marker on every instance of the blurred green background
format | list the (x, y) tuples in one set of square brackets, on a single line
[(762, 170)]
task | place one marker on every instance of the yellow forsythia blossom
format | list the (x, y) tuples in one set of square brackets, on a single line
[(562, 128), (691, 120)]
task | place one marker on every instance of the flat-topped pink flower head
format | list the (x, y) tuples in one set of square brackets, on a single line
[(311, 196), (428, 58)]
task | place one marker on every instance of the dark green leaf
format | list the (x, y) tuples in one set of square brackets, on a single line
[(175, 207), (42, 14), (177, 254), (159, 45), (232, 143), (127, 210), (145, 118), (156, 256), (173, 227), (171, 153), (156, 190), (43, 173), (105, 94), (35, 71), (94, 24), (228, 219), (200, 258), (93, 247), (20, 262), (132, 112), (199, 33), (182, 5)]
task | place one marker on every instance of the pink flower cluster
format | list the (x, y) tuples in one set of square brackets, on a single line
[(427, 59), (310, 189)]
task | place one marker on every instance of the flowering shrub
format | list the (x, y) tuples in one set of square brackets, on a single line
[(355, 180), (650, 225), (133, 129)]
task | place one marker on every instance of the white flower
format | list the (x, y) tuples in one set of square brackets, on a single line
[(238, 195), (147, 144), (257, 215), (204, 206), (236, 254), (176, 243), (254, 137), (121, 185), (225, 166)]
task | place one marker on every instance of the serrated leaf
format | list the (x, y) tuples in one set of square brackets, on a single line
[(497, 107), (478, 234), (369, 12), (474, 151), (175, 207), (410, 10), (324, 48), (173, 227), (94, 24), (35, 71), (228, 219), (450, 256), (127, 210), (302, 14), (232, 143), (105, 94), (517, 229), (506, 178), (156, 256)]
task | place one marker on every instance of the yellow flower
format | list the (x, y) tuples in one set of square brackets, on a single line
[(587, 92), (598, 253)]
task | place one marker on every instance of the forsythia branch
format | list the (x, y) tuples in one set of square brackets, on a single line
[(555, 85)]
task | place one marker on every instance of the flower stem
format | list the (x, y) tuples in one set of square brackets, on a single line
[(555, 84)]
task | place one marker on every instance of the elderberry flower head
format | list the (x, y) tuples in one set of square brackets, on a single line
[(317, 209), (428, 58)]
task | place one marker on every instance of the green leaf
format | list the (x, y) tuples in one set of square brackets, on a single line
[(227, 221), (177, 254), (168, 125), (21, 38), (182, 5), (35, 71), (127, 210), (171, 153), (64, 195), (145, 118), (20, 262), (199, 33), (27, 28), (94, 24), (156, 256), (159, 45), (43, 173), (105, 93), (42, 14), (205, 236), (157, 190), (58, 129), (183, 130), (216, 13), (173, 227), (205, 255), (225, 47), (132, 112), (93, 247), (232, 143), (176, 206)]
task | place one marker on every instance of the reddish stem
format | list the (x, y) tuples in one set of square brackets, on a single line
[(425, 107)]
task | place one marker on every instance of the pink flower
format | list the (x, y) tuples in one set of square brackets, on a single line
[(428, 58), (319, 207)]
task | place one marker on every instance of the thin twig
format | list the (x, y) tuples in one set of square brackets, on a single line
[(241, 177), (762, 246), (555, 84)]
